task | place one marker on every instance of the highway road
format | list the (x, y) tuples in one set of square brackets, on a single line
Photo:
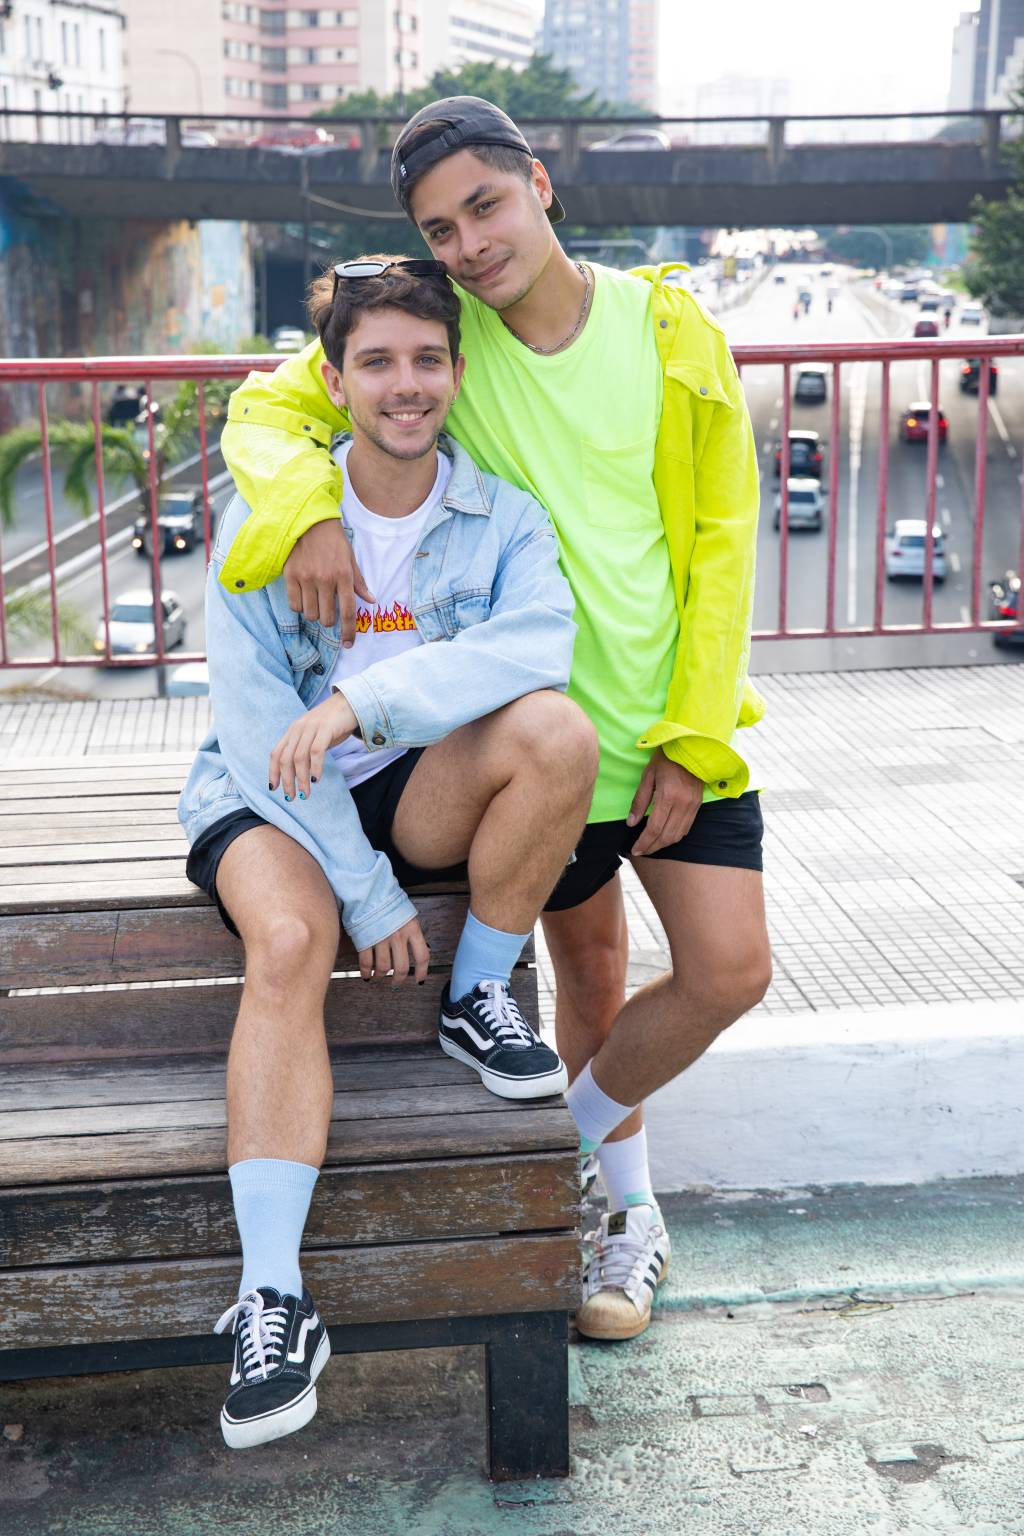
[(858, 313)]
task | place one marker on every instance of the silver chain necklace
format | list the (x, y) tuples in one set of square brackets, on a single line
[(584, 310)]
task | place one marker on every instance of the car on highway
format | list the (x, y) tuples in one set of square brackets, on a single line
[(129, 403), (930, 303), (291, 139), (132, 632), (909, 292), (970, 377), (190, 680), (780, 277), (144, 132), (635, 138), (905, 550), (1004, 596), (811, 387), (926, 328), (806, 455), (179, 517), (914, 423), (288, 338), (806, 503), (971, 314)]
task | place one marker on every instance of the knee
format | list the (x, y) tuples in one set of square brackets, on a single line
[(725, 993), (289, 950), (593, 980), (549, 732)]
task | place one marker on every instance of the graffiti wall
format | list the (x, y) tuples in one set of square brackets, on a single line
[(92, 289)]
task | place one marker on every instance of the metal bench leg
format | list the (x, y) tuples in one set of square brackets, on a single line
[(528, 1397)]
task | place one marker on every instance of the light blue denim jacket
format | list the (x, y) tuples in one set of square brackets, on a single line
[(485, 579)]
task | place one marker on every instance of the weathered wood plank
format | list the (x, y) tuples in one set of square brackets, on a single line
[(382, 1203), (72, 776), (78, 862), (65, 806), (105, 760), (186, 1115), (64, 843), (465, 1278), (147, 781), (544, 1126), (158, 1079), (161, 943)]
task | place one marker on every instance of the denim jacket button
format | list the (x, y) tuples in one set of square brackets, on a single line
[(318, 667), (378, 739)]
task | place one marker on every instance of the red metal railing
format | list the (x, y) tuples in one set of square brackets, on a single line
[(149, 371)]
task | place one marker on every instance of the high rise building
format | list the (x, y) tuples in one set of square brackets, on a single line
[(457, 32), (608, 46), (1000, 25), (262, 57), (62, 56), (738, 96), (961, 74)]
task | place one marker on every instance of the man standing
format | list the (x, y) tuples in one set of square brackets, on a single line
[(613, 399), (336, 776)]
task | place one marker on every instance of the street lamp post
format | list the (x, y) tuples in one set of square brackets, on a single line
[(873, 229), (176, 53)]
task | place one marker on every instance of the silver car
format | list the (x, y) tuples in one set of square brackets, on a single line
[(132, 632), (806, 503)]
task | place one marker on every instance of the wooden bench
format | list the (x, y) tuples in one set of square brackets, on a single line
[(443, 1215)]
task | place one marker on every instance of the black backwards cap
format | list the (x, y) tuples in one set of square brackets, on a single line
[(461, 122)]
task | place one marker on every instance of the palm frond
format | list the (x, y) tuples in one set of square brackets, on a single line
[(27, 615), (15, 447)]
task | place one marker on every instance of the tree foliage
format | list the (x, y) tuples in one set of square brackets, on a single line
[(996, 271), (911, 244), (73, 450), (27, 617), (541, 89)]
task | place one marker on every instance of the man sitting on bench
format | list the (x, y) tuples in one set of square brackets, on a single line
[(336, 775)]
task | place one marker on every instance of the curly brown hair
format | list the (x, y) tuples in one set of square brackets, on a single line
[(335, 315)]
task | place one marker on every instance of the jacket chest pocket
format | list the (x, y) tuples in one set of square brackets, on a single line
[(308, 671), (617, 484)]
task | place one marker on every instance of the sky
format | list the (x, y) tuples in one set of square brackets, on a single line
[(868, 55)]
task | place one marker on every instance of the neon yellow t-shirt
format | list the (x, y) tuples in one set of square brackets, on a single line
[(577, 430)]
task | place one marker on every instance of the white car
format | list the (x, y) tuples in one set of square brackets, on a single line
[(190, 680), (972, 313), (636, 138), (905, 551), (132, 632), (288, 338), (806, 503)]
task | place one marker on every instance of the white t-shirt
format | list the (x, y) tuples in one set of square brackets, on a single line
[(384, 548)]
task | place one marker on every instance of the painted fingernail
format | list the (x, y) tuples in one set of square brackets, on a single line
[(302, 794), (312, 778), (287, 797), (270, 786)]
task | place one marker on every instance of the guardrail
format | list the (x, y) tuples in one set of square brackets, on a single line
[(149, 371)]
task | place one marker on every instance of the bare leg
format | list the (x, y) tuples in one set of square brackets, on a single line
[(279, 1086), (721, 967), (589, 947), (510, 792)]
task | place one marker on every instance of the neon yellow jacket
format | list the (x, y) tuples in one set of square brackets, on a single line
[(276, 445)]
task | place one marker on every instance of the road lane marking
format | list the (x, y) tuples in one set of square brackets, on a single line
[(940, 481), (773, 424), (954, 561), (965, 613), (947, 521)]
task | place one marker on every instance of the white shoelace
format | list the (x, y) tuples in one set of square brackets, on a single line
[(261, 1332), (502, 1017), (615, 1258)]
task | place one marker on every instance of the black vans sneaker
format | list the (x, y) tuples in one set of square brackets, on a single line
[(281, 1346), (486, 1030)]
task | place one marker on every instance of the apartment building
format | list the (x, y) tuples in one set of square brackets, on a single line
[(61, 56)]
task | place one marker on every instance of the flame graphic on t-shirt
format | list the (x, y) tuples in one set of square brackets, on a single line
[(384, 621)]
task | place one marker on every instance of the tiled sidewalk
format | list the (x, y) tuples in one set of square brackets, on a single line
[(894, 852)]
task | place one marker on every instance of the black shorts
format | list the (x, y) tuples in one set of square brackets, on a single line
[(376, 800), (724, 832)]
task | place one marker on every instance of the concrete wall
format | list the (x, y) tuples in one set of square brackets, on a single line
[(73, 289)]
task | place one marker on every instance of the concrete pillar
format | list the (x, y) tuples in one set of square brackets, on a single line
[(776, 141)]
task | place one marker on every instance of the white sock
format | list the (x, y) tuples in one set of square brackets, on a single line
[(625, 1173), (596, 1115)]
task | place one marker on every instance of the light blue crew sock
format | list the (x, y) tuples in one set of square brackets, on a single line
[(484, 954), (271, 1204)]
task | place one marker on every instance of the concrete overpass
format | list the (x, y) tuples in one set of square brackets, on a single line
[(774, 176)]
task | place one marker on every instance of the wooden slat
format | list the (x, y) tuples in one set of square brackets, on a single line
[(72, 840), (106, 760), (160, 942), (509, 1129), (71, 777), (449, 1099), (148, 781), (382, 1203), (157, 1079), (65, 805), (89, 861), (465, 1278)]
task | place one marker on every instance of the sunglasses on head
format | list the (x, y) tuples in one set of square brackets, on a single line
[(415, 266)]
